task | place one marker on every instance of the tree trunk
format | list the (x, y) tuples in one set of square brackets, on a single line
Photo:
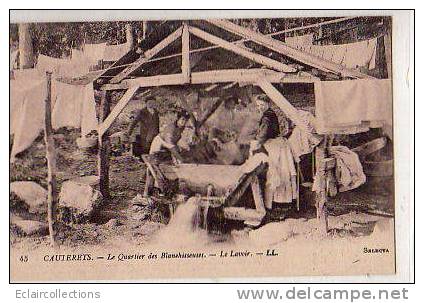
[(26, 53), (129, 34)]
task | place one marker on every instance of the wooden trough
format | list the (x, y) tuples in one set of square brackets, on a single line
[(214, 185)]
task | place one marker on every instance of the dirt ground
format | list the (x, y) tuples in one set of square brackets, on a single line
[(122, 222)]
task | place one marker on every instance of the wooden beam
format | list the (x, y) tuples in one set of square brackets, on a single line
[(148, 55), (152, 81), (218, 76), (241, 51), (110, 118), (282, 103), (51, 162), (104, 148), (117, 86), (236, 75), (185, 62), (258, 195), (284, 49)]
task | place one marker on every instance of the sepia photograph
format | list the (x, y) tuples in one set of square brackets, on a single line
[(202, 148)]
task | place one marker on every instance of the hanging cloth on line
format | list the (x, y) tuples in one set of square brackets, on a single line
[(61, 67), (303, 42), (28, 122), (353, 105), (13, 59), (351, 55), (94, 52), (116, 52), (73, 106)]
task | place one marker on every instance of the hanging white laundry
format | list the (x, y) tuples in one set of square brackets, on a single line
[(94, 52), (54, 65), (13, 59), (115, 52), (356, 55), (328, 52), (89, 120), (16, 103), (372, 49), (303, 139), (29, 121), (62, 67), (349, 103), (23, 80), (351, 55), (78, 58), (67, 109), (317, 50), (300, 42), (339, 53), (74, 107)]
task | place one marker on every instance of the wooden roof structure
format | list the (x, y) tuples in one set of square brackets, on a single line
[(271, 61)]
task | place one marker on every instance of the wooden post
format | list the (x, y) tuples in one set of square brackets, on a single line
[(388, 52), (185, 61), (104, 148), (298, 186), (145, 29), (51, 162), (321, 193), (129, 34), (26, 53)]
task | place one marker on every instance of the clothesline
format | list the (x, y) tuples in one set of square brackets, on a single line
[(234, 42), (73, 106)]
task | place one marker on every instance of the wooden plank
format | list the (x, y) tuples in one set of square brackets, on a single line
[(242, 214), (209, 77), (152, 81), (117, 86), (282, 103), (236, 75), (107, 122), (51, 162), (258, 195), (298, 172), (370, 147), (185, 62), (241, 51), (284, 49), (148, 55), (104, 148)]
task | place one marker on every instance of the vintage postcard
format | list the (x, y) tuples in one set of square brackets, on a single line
[(202, 148)]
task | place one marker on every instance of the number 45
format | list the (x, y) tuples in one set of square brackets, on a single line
[(23, 259)]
